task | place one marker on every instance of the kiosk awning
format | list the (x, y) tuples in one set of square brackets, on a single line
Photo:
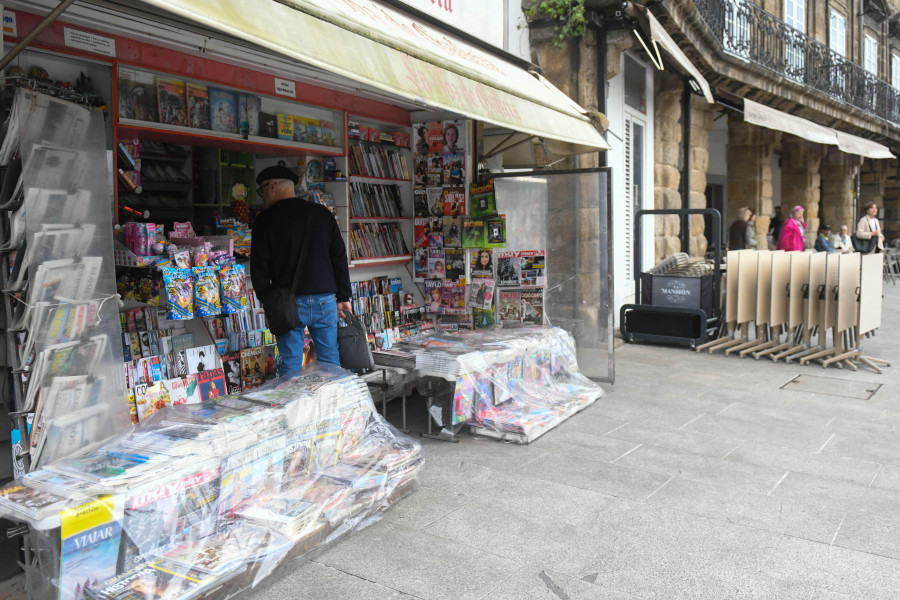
[(659, 35), (771, 118), (375, 44)]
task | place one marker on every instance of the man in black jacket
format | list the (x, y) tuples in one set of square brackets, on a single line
[(323, 293)]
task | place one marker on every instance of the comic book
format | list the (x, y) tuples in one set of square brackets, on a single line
[(223, 110), (212, 384), (253, 368), (198, 106)]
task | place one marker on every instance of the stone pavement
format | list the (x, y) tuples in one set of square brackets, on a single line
[(697, 476)]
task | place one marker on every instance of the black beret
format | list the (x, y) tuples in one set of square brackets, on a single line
[(276, 172)]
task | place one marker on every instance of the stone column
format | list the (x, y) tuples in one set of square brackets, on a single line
[(801, 182), (839, 171), (873, 180), (702, 116), (750, 150), (892, 198), (666, 174)]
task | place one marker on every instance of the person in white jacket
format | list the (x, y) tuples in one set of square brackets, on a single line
[(842, 241)]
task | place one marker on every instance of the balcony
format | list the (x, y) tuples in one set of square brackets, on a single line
[(748, 32)]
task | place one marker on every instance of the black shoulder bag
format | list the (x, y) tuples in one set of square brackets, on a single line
[(864, 246), (280, 304)]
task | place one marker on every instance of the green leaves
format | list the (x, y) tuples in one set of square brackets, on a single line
[(569, 15)]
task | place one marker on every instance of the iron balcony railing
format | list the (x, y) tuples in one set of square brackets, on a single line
[(748, 32)]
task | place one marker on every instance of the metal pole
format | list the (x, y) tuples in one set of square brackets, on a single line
[(35, 32), (686, 165)]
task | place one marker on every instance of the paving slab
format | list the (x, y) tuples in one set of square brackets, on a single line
[(533, 582)]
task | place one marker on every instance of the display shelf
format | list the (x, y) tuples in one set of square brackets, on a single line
[(375, 180), (396, 259), (354, 219), (220, 139), (166, 186)]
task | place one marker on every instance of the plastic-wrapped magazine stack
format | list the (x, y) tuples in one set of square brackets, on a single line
[(511, 383), (205, 500)]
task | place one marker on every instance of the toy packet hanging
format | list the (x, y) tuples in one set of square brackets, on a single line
[(206, 291), (179, 293), (234, 289)]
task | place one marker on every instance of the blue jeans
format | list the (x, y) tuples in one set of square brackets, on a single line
[(318, 313)]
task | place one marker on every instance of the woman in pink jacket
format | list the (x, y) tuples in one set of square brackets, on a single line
[(793, 231)]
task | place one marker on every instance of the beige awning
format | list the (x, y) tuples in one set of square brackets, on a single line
[(659, 35), (771, 118), (372, 43), (853, 144), (762, 115)]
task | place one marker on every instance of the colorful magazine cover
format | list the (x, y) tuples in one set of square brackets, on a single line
[(454, 172), (510, 307), (198, 106), (420, 203), (171, 101), (182, 390), (173, 504), (231, 365), (420, 171), (212, 384), (481, 262), (455, 263), (330, 135), (90, 534), (453, 297), (420, 263), (420, 138), (452, 232), (454, 201), (421, 229), (482, 293), (533, 307), (137, 96), (433, 296), (434, 196), (434, 174), (201, 358), (435, 137), (271, 358), (436, 268), (252, 470), (463, 398), (223, 110), (454, 137), (253, 368)]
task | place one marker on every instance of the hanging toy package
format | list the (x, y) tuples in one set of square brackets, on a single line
[(179, 293), (206, 286), (179, 257), (234, 289)]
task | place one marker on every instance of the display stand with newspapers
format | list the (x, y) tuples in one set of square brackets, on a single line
[(206, 500)]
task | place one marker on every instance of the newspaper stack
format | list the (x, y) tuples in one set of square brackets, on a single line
[(203, 499), (400, 357)]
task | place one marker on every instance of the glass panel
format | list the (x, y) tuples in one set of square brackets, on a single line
[(635, 85), (871, 58), (566, 214), (838, 35)]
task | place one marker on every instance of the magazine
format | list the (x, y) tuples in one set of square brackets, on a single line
[(436, 268), (454, 139), (454, 172), (524, 268), (510, 307), (231, 364), (200, 359), (184, 390), (453, 297), (253, 368), (420, 202), (433, 296), (212, 384), (420, 263), (172, 505), (251, 471), (434, 196), (452, 227), (198, 106), (223, 110), (481, 262), (172, 107), (533, 307), (455, 263), (90, 545), (482, 293)]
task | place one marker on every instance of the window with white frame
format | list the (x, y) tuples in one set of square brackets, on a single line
[(795, 14), (895, 71), (871, 55), (837, 35)]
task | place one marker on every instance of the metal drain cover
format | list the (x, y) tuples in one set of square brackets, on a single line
[(831, 386)]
